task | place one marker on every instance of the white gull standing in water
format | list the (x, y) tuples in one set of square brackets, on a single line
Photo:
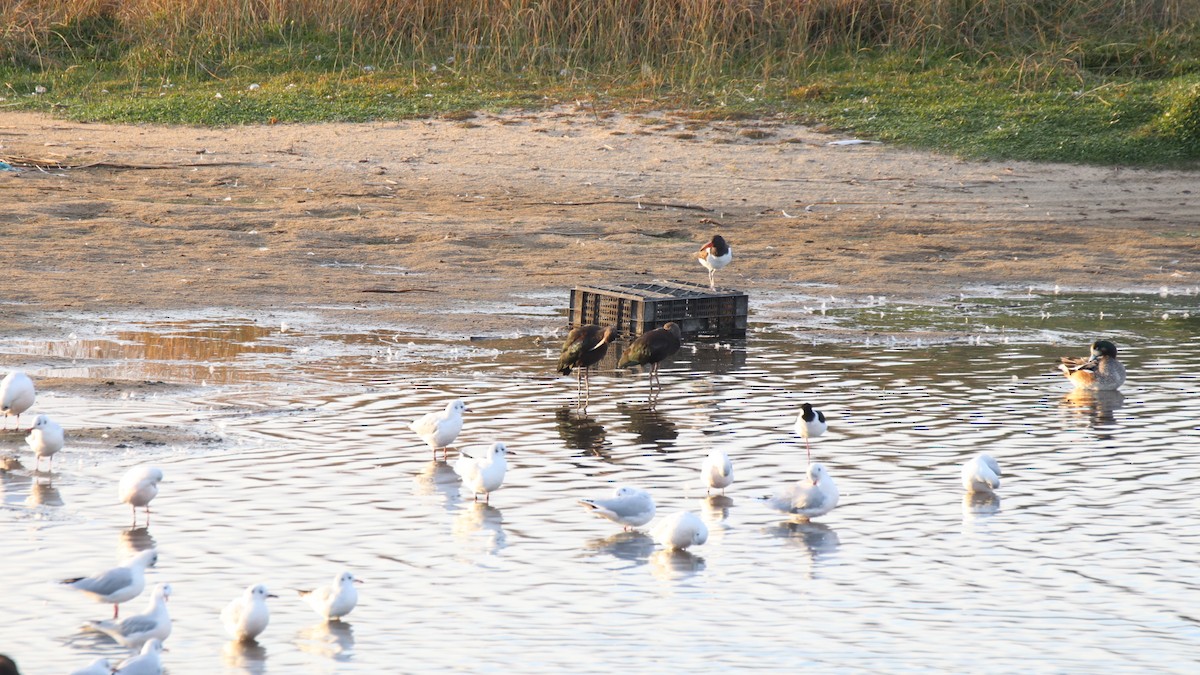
[(139, 486), (246, 616), (680, 530), (335, 600), (810, 497), (148, 662), (119, 584), (483, 475), (981, 473), (717, 470), (629, 507), (16, 395), (45, 438), (439, 429), (134, 631)]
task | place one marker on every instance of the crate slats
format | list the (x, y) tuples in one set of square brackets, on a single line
[(635, 308)]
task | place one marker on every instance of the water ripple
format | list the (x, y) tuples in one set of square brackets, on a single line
[(1085, 561)]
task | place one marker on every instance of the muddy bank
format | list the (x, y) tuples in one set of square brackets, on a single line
[(473, 227)]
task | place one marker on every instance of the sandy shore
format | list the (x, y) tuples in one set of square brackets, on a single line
[(447, 225)]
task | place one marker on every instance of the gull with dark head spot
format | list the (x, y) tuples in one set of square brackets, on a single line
[(246, 616), (335, 600), (439, 429), (483, 474), (119, 584), (45, 438), (810, 497), (133, 632), (629, 507)]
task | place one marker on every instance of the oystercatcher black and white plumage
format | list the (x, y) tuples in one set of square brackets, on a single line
[(810, 424), (585, 347), (714, 255), (652, 347)]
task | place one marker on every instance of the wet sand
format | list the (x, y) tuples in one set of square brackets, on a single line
[(461, 227)]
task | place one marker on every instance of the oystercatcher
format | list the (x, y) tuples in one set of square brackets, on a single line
[(810, 424), (714, 255)]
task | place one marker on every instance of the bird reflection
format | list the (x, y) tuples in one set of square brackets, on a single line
[(247, 655), (437, 478), (820, 539), (719, 357), (43, 493), (579, 431), (980, 504), (1098, 406), (480, 523), (650, 426), (13, 485), (135, 540), (332, 639), (631, 545), (716, 508), (673, 565)]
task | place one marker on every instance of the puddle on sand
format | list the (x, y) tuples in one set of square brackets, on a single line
[(1085, 561)]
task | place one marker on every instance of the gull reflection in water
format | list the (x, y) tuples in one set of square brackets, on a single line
[(819, 539), (675, 565), (649, 426), (633, 546), (135, 540), (437, 479), (579, 431), (716, 508), (13, 485), (247, 655), (43, 493), (480, 525), (977, 511), (332, 639), (1097, 406), (980, 504)]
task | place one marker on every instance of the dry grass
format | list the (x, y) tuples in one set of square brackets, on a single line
[(667, 40)]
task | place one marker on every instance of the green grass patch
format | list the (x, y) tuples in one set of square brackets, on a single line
[(1106, 82), (975, 110)]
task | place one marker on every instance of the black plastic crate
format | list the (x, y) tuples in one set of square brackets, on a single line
[(638, 307)]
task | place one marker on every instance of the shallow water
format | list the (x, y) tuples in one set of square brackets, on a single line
[(1086, 562)]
